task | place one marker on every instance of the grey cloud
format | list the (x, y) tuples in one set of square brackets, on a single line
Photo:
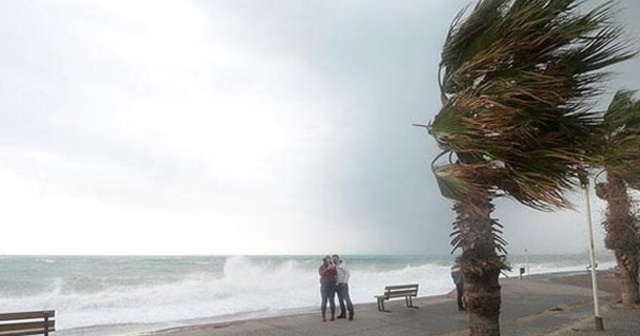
[(374, 68)]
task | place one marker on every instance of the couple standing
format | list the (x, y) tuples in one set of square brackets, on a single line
[(334, 278)]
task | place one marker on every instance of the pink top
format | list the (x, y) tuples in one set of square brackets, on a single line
[(327, 274)]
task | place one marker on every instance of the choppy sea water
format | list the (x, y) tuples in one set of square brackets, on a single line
[(95, 295)]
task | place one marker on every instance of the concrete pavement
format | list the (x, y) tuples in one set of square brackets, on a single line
[(535, 305)]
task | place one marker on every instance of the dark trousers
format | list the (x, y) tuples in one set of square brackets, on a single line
[(328, 294), (460, 291), (343, 296)]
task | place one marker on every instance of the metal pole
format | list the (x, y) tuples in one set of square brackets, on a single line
[(526, 253), (592, 258)]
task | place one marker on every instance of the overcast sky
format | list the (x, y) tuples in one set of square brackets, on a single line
[(235, 127)]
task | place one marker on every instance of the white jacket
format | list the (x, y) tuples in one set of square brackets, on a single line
[(343, 273)]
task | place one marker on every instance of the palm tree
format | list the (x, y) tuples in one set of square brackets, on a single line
[(516, 78), (620, 158)]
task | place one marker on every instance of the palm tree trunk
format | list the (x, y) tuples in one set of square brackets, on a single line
[(623, 237), (483, 299), (629, 289), (480, 265)]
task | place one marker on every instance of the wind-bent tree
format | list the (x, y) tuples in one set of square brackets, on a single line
[(517, 78), (620, 159)]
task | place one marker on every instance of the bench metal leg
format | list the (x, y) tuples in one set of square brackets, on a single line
[(381, 305), (409, 302)]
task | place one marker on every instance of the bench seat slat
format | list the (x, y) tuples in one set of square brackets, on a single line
[(401, 293), (40, 325), (25, 332)]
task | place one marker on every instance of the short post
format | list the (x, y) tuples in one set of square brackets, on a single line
[(526, 253)]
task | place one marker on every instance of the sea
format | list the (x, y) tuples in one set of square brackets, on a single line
[(131, 295)]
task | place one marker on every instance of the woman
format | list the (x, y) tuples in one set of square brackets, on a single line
[(328, 279)]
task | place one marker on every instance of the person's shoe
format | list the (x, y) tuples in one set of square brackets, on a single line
[(462, 309), (350, 317), (342, 315)]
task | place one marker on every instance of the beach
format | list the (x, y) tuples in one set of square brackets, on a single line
[(558, 304)]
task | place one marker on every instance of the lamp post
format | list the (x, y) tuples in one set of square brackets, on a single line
[(592, 258)]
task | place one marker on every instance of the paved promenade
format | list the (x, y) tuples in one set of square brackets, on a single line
[(536, 305)]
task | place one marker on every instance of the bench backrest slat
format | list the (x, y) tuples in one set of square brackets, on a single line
[(27, 315), (401, 287)]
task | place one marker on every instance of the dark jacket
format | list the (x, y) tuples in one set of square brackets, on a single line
[(456, 275)]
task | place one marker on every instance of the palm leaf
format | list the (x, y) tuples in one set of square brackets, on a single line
[(620, 152), (517, 78), (452, 183)]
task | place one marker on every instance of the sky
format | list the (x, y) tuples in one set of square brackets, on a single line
[(237, 127)]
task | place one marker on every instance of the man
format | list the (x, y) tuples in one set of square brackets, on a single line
[(343, 288), (456, 275)]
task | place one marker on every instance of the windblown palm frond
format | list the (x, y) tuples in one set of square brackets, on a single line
[(457, 181), (517, 80), (461, 39), (619, 150)]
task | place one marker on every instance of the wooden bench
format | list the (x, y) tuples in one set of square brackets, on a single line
[(408, 292), (27, 323)]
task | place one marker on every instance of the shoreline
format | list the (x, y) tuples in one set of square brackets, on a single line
[(542, 292), (139, 292), (561, 291)]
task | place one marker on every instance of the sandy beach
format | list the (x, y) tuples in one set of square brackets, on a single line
[(558, 304)]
